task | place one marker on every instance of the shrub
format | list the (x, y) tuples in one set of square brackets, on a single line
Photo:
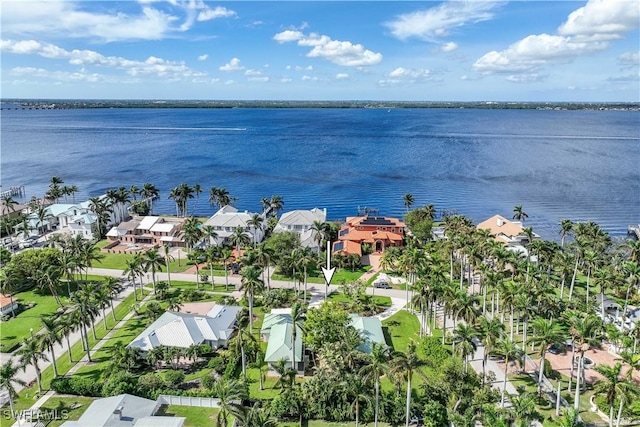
[(150, 381), (433, 350), (218, 363), (208, 382), (173, 378), (120, 382), (77, 385)]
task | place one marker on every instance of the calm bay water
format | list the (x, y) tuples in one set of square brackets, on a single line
[(581, 165)]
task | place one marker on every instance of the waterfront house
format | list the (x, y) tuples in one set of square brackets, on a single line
[(301, 221), (146, 232), (376, 231), (511, 233), (124, 410), (174, 329), (228, 218)]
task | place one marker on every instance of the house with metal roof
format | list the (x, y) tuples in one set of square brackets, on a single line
[(276, 317), (301, 221), (370, 329), (279, 346), (124, 410), (175, 329), (379, 232), (228, 218)]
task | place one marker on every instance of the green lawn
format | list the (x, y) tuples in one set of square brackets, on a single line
[(341, 275), (195, 417), (401, 328), (119, 261), (15, 330), (29, 395)]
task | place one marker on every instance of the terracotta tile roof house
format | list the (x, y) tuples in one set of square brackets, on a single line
[(379, 232), (505, 231), (7, 304)]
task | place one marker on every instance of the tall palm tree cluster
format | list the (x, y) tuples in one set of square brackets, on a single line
[(79, 314), (507, 302)]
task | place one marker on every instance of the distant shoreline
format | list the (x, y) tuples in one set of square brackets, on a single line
[(61, 104)]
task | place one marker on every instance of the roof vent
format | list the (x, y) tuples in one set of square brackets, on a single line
[(500, 222)]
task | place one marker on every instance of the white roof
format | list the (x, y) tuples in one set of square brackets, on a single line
[(229, 216), (162, 227), (147, 222), (303, 217)]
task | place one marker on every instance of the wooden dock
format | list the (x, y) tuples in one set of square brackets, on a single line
[(634, 230), (13, 191)]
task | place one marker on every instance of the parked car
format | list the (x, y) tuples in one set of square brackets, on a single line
[(416, 420), (382, 285)]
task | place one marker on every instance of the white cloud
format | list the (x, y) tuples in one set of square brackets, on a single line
[(436, 21), (253, 73), (71, 19), (342, 76), (233, 65), (406, 75), (208, 14), (203, 57), (533, 52), (608, 19), (62, 76), (632, 77), (338, 52), (587, 30), (152, 65), (448, 47), (629, 59), (307, 78), (301, 68), (262, 79), (526, 78), (286, 80)]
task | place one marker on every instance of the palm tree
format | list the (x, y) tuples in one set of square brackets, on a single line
[(230, 393), (9, 377), (219, 197), (30, 354), (546, 332), (133, 270), (490, 332), (192, 232), (197, 189), (566, 228), (49, 337), (407, 200), (614, 387), (464, 337), (196, 257), (585, 330), (519, 214), (225, 256), (256, 223), (276, 204), (149, 192), (153, 262), (209, 232), (251, 284), (167, 259), (378, 366), (239, 239), (83, 303), (509, 351), (298, 314), (404, 365)]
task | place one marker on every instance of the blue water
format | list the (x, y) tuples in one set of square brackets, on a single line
[(581, 165)]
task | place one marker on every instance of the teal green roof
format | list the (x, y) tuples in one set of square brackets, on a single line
[(271, 319), (370, 328), (279, 345)]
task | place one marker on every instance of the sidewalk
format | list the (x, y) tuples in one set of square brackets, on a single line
[(29, 375), (83, 362)]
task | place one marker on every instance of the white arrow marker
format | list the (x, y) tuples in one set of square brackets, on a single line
[(328, 272)]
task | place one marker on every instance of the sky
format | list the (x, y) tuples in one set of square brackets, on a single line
[(461, 50)]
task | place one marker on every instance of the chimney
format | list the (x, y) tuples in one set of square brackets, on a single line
[(500, 222)]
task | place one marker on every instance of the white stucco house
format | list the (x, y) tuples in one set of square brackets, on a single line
[(301, 221), (228, 218)]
